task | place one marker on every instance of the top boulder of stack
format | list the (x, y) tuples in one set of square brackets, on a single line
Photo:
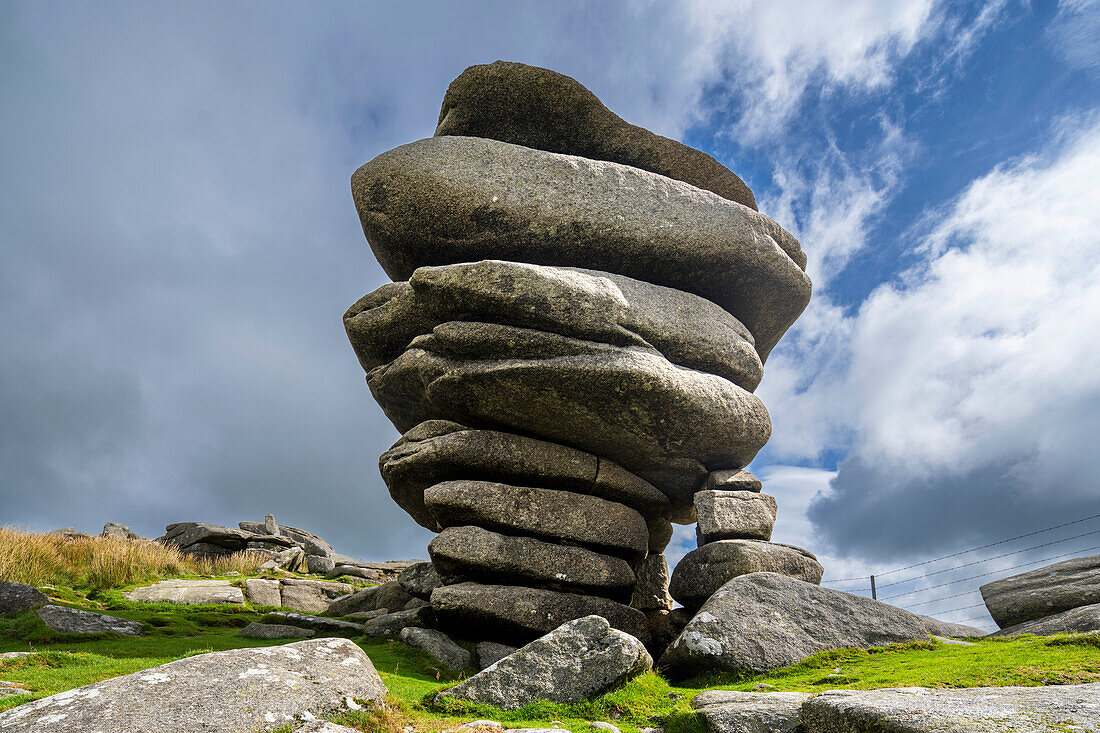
[(539, 108)]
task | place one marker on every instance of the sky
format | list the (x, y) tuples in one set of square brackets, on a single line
[(179, 243)]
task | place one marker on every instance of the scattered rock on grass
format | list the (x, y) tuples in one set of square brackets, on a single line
[(577, 660), (921, 710), (261, 592), (727, 711), (319, 623), (75, 621), (438, 646), (391, 624), (490, 652), (761, 621), (276, 631), (188, 592), (17, 598), (240, 690)]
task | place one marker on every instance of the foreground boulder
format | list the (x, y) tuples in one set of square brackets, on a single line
[(17, 598), (76, 621), (540, 108), (239, 690), (977, 710), (727, 711), (1043, 592), (763, 621), (576, 661), (1074, 621)]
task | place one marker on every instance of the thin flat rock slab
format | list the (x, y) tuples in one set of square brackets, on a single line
[(317, 623), (188, 593), (724, 515), (236, 691), (601, 525), (439, 450), (76, 621), (974, 710), (762, 621), (393, 624), (463, 199), (604, 307), (540, 108), (703, 571), (634, 407), (212, 539), (727, 711), (1043, 592), (1076, 620), (516, 615), (494, 558), (576, 661)]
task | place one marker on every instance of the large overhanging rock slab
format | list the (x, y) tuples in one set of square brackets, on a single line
[(723, 515), (463, 199), (516, 614), (585, 304), (211, 538), (438, 450), (237, 691), (703, 571), (1043, 592), (540, 108), (664, 423), (974, 710), (491, 557), (602, 525), (1074, 621), (763, 621), (575, 661)]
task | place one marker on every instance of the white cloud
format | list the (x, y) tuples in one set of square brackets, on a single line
[(969, 392)]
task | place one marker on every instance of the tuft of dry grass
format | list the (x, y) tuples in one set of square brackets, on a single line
[(104, 562)]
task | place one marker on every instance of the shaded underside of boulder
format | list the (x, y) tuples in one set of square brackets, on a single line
[(703, 571), (977, 710), (763, 621), (462, 199), (575, 661), (1044, 592), (439, 450), (241, 690), (515, 614), (499, 559), (540, 108), (1076, 620)]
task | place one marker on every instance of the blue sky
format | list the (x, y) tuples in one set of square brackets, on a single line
[(179, 243)]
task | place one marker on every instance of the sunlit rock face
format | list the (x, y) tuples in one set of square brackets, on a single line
[(580, 315)]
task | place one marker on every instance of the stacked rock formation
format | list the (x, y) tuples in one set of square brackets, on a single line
[(580, 314)]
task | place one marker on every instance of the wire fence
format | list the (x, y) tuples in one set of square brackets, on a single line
[(918, 582)]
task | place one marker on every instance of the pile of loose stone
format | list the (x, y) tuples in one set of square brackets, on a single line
[(580, 314)]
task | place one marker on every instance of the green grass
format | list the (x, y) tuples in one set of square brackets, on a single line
[(414, 679)]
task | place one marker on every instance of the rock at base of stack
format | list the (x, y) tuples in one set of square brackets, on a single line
[(733, 532)]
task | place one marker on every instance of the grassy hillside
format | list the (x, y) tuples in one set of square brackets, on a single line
[(413, 679)]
